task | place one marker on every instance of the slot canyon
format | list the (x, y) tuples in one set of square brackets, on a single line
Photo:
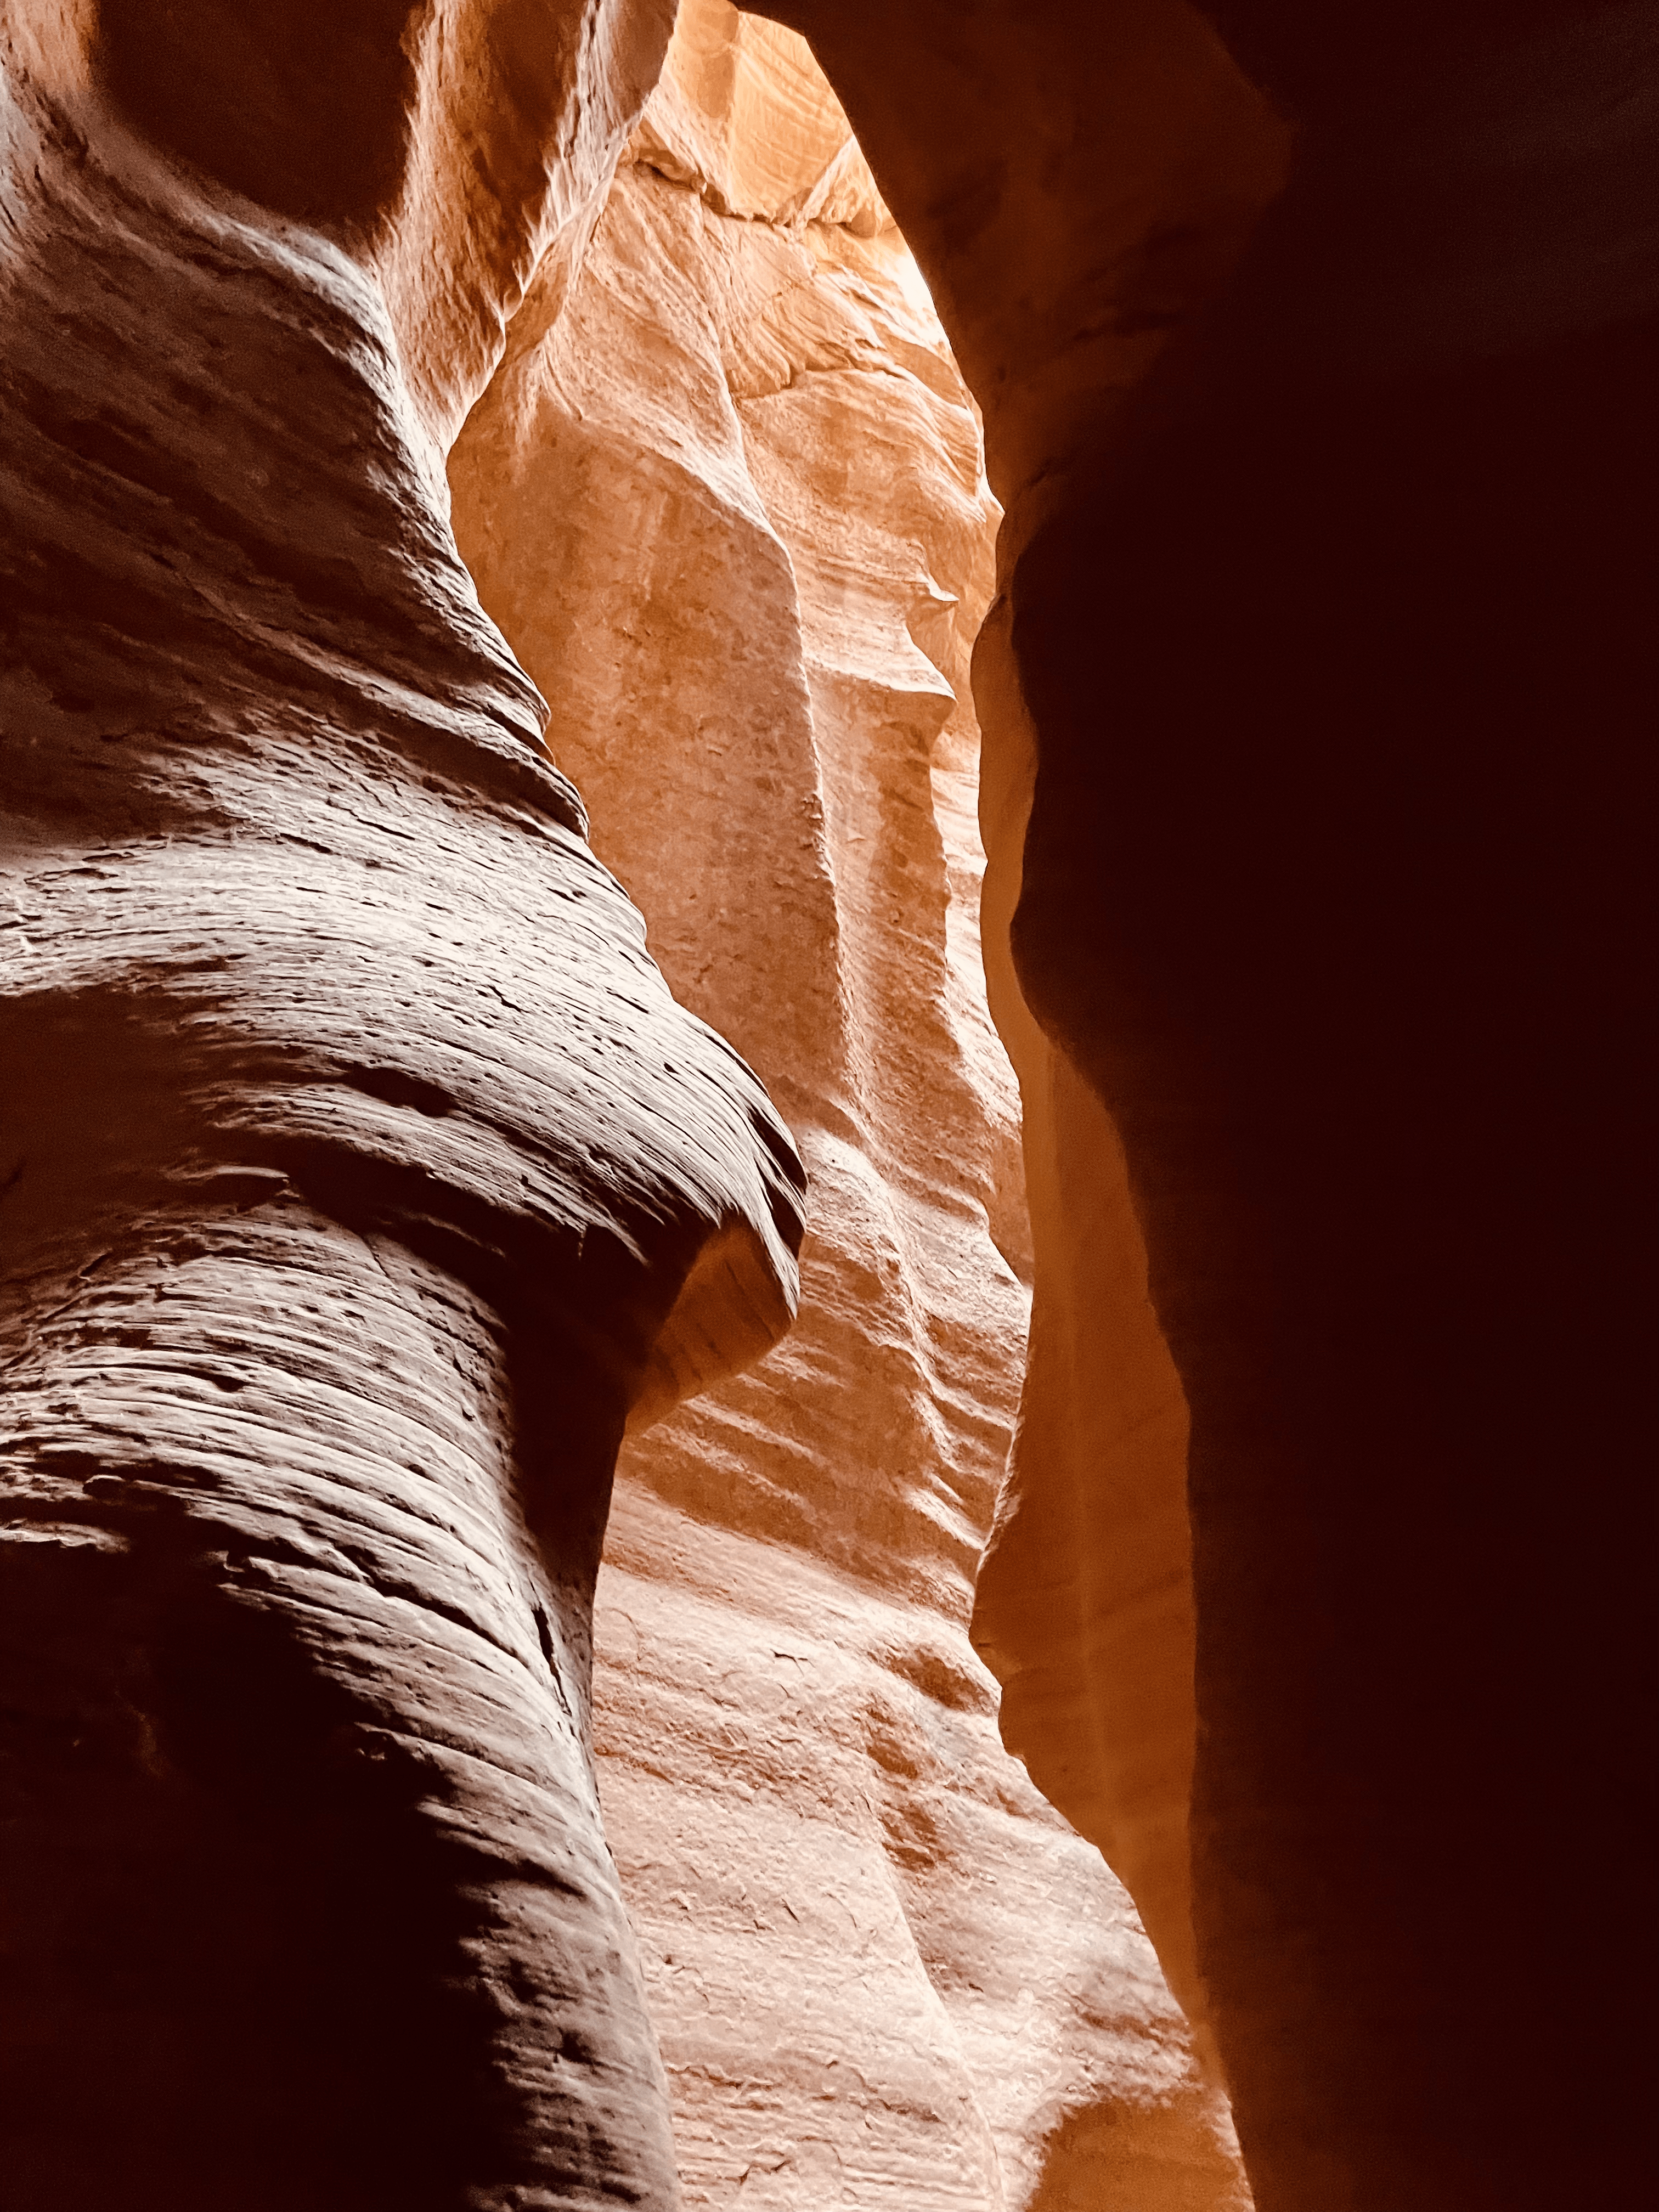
[(826, 1110)]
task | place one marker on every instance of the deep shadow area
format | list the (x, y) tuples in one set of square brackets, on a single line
[(301, 108), (1337, 885), (264, 1996)]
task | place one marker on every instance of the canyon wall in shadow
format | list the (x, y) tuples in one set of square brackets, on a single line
[(1317, 706)]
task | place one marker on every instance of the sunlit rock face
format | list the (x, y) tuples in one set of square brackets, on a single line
[(1078, 181), (727, 501)]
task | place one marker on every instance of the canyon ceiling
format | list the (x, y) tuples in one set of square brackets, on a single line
[(953, 952)]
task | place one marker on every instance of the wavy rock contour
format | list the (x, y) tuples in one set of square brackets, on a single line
[(360, 1175), (729, 506)]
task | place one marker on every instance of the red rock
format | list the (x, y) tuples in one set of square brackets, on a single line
[(361, 1172), (730, 511), (361, 1177)]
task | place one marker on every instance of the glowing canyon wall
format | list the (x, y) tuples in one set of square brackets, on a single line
[(313, 969), (387, 1162), (726, 502)]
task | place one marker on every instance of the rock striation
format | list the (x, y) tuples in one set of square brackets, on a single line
[(362, 1182), (365, 1182), (360, 1177), (724, 497)]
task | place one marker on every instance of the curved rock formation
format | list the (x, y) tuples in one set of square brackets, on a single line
[(1060, 291), (1321, 682), (359, 1174), (361, 1179), (729, 509)]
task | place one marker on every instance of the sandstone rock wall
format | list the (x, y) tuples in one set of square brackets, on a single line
[(1316, 704), (359, 1178), (1077, 186), (729, 509), (358, 1173)]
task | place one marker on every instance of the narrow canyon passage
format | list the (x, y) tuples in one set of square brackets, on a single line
[(726, 500), (855, 800), (317, 1366)]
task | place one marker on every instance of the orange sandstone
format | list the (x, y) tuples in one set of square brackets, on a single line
[(730, 510)]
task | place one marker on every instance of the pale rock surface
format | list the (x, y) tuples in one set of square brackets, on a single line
[(729, 508)]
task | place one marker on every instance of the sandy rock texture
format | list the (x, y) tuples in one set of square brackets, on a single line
[(361, 1178), (729, 509), (1313, 345)]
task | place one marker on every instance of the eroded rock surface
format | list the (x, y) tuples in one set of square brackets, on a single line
[(359, 1174), (1076, 183), (361, 1178), (729, 509)]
